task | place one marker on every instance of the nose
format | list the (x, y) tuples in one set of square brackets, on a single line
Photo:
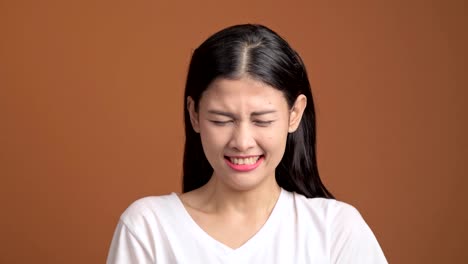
[(242, 138)]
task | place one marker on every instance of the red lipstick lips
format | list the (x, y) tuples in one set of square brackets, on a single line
[(245, 166)]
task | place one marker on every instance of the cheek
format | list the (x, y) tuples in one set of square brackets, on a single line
[(212, 139), (275, 141)]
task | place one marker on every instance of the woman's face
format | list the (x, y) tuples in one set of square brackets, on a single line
[(243, 125)]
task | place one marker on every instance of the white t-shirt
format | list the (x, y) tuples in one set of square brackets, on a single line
[(299, 230)]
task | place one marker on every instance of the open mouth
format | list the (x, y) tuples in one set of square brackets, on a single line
[(244, 163)]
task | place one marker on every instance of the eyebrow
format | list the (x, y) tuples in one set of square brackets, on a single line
[(257, 113)]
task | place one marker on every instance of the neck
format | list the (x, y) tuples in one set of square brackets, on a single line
[(221, 199)]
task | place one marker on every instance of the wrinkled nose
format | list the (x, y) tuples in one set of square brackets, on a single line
[(242, 138)]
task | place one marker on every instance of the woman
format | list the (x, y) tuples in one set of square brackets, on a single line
[(251, 188)]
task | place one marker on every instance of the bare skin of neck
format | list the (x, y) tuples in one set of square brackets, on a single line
[(231, 216)]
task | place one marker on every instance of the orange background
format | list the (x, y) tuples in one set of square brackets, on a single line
[(91, 115)]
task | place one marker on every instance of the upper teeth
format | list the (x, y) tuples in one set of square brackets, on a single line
[(246, 161)]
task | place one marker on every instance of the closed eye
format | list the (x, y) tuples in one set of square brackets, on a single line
[(263, 123), (221, 123)]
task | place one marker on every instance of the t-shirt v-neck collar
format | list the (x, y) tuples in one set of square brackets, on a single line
[(250, 245)]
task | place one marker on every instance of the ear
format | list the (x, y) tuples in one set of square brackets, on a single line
[(193, 114), (295, 114)]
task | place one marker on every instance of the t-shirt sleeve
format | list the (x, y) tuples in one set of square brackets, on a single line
[(352, 241), (127, 248)]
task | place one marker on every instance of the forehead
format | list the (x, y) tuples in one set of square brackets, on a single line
[(244, 93)]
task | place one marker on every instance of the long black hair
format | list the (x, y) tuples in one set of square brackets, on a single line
[(257, 52)]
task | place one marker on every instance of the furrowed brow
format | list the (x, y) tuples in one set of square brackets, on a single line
[(263, 112), (216, 112), (230, 115)]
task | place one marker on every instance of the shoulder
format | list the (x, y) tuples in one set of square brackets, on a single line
[(147, 211), (350, 238), (336, 215), (329, 210), (137, 230)]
